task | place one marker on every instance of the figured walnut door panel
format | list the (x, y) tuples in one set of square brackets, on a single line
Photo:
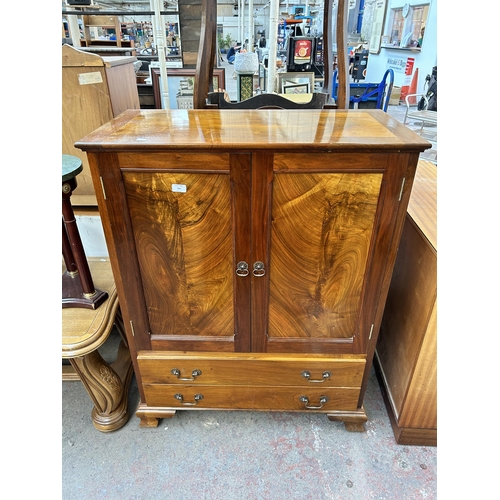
[(321, 232), (182, 226)]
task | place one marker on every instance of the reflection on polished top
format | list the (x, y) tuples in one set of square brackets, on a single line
[(264, 129)]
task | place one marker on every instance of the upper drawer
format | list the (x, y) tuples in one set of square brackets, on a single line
[(251, 369)]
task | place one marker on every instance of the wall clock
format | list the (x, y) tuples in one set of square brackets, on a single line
[(406, 9)]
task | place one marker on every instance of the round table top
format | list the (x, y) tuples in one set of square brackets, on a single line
[(71, 167)]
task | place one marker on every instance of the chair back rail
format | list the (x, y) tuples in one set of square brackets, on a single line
[(208, 52), (268, 101)]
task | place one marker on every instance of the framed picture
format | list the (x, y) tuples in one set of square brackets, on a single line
[(181, 86), (300, 88), (294, 79)]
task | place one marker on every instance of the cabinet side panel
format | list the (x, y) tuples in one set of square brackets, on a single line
[(182, 231), (322, 228), (420, 409), (85, 107), (409, 306), (122, 85)]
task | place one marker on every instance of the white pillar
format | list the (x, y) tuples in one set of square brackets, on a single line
[(304, 24), (250, 26), (273, 45), (74, 30), (241, 17), (159, 39)]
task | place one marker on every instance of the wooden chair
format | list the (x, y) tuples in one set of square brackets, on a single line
[(208, 48), (268, 101)]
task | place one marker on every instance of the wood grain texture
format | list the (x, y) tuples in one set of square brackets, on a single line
[(421, 401), (85, 330), (184, 246), (343, 93), (250, 369), (206, 53), (292, 189), (85, 107), (408, 309), (124, 94), (422, 207), (407, 348), (280, 398), (322, 227), (274, 130)]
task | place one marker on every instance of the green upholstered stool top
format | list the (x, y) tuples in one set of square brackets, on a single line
[(71, 167)]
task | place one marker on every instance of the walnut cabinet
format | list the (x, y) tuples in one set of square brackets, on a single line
[(252, 252)]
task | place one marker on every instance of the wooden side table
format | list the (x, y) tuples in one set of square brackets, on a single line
[(89, 310), (84, 331)]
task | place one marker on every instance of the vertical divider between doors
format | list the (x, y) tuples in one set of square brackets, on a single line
[(262, 182), (240, 176)]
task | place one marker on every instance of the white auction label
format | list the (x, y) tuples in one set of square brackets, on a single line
[(178, 188), (89, 78)]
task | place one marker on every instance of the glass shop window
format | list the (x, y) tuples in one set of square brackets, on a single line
[(407, 26)]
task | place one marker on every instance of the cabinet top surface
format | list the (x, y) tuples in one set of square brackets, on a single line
[(422, 207), (264, 129)]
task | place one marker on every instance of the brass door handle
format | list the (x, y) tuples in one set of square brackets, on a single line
[(180, 397), (195, 373), (326, 375), (242, 268), (258, 269), (305, 400)]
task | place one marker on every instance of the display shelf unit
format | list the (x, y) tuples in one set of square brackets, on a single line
[(96, 26)]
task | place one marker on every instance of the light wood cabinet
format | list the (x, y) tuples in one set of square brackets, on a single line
[(407, 349), (252, 252), (94, 90)]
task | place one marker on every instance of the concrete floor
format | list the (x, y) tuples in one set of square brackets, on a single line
[(240, 455)]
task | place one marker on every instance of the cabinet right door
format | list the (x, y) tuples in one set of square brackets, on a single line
[(317, 239)]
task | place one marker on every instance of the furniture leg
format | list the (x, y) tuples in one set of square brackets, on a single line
[(107, 386), (354, 421), (150, 416)]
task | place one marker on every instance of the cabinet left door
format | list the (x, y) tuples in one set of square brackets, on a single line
[(180, 227)]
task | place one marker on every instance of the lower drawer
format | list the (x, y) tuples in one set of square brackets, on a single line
[(158, 367), (251, 398)]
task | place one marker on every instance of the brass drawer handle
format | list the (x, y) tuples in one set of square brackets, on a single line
[(242, 268), (195, 373), (305, 400), (197, 397), (258, 269), (306, 374)]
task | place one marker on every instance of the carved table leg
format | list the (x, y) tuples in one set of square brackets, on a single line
[(354, 421), (108, 387)]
